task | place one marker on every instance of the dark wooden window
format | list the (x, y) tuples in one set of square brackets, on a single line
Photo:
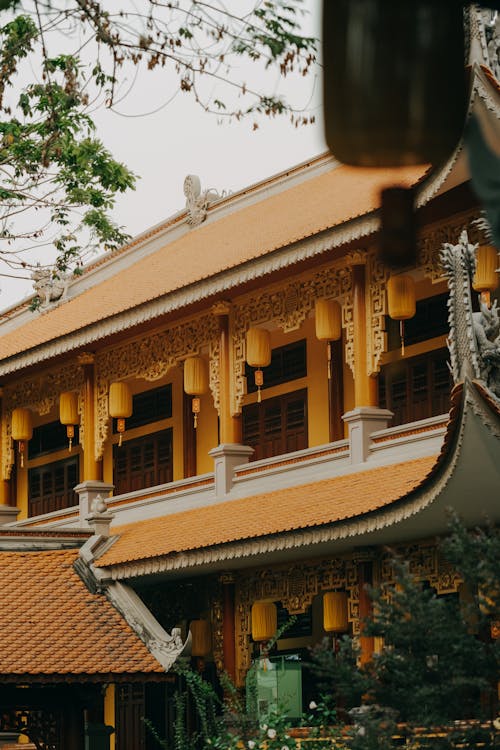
[(416, 388), (50, 487), (430, 320), (287, 363), (48, 438), (143, 462), (277, 425), (150, 406)]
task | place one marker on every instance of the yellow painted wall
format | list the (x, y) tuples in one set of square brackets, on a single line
[(109, 712)]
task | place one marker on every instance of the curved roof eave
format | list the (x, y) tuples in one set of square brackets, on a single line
[(465, 478)]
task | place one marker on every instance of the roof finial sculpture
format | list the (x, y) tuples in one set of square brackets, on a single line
[(474, 340), (197, 201)]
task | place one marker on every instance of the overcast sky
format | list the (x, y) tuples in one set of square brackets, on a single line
[(180, 139)]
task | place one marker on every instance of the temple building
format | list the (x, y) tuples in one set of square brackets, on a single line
[(239, 411)]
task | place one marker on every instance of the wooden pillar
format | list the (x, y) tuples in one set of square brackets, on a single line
[(365, 577), (92, 469), (228, 635), (189, 435), (336, 391), (229, 425), (365, 386)]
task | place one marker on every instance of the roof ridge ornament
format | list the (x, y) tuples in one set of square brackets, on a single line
[(198, 201)]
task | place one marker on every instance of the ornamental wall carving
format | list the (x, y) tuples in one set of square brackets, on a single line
[(432, 237), (425, 563), (151, 358), (295, 589), (41, 395), (286, 307)]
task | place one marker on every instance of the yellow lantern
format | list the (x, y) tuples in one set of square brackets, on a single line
[(264, 620), (486, 276), (201, 638), (335, 619), (328, 318), (195, 382), (68, 414), (120, 405), (22, 429), (258, 354), (401, 301)]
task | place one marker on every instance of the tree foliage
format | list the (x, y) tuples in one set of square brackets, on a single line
[(60, 59)]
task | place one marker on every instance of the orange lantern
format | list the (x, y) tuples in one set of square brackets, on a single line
[(195, 382), (258, 354), (68, 414), (486, 277), (328, 318), (335, 618), (201, 638), (264, 620), (401, 301), (22, 429), (120, 405)]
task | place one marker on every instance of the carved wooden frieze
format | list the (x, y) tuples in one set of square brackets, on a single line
[(295, 588), (151, 358), (286, 306), (425, 563), (377, 275), (40, 393), (432, 237)]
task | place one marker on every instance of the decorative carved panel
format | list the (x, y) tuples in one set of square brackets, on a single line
[(287, 307), (40, 393), (151, 358), (295, 588), (432, 237), (424, 563), (377, 275)]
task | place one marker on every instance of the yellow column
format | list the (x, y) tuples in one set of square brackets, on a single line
[(92, 469), (229, 425), (365, 386), (109, 711)]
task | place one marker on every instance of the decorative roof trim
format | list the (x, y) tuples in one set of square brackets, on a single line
[(221, 283)]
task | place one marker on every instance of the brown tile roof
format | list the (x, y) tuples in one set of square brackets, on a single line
[(316, 504), (303, 210), (52, 625)]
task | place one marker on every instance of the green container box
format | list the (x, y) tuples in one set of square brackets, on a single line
[(276, 685)]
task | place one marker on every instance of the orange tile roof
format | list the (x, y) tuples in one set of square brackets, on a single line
[(52, 625), (303, 210), (316, 504)]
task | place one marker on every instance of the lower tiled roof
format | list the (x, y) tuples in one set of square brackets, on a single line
[(51, 625), (292, 508)]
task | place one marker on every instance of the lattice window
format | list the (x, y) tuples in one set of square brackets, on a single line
[(144, 462), (277, 425), (416, 388), (50, 487)]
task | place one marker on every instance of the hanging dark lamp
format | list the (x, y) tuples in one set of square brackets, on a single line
[(394, 81)]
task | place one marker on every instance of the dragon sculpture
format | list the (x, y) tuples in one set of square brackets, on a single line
[(474, 340)]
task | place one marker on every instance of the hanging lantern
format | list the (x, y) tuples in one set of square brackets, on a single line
[(391, 97), (258, 354), (120, 405), (264, 620), (195, 382), (328, 319), (486, 277), (201, 638), (335, 618), (22, 429), (68, 414), (401, 302)]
